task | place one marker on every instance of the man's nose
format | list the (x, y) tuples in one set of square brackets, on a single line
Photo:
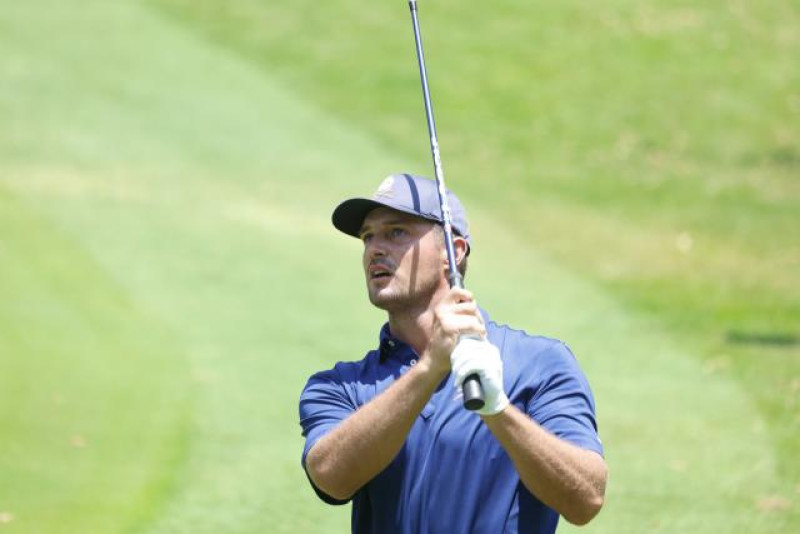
[(376, 247), (374, 251)]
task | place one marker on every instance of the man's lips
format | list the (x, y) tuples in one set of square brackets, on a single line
[(380, 270)]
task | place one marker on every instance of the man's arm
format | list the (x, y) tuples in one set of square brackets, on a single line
[(565, 477), (569, 479), (366, 442)]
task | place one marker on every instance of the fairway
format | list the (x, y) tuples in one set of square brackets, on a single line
[(170, 278)]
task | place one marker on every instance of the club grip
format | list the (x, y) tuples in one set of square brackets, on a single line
[(473, 393), (471, 389)]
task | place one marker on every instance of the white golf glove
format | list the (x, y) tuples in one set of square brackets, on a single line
[(478, 356)]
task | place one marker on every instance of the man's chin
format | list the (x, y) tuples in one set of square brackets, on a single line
[(392, 299), (384, 299)]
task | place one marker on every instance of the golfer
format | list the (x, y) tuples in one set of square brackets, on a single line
[(389, 432)]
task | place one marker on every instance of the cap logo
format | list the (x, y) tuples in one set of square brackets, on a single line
[(386, 189)]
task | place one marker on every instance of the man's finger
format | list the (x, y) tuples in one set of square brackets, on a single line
[(465, 308), (459, 295), (457, 324)]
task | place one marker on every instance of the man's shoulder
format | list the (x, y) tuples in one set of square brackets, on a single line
[(514, 339), (535, 356), (345, 371)]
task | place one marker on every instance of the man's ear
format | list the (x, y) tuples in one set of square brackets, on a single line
[(461, 247)]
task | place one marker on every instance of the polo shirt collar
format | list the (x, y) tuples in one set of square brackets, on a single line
[(389, 345)]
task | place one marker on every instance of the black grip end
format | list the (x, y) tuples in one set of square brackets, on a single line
[(473, 393)]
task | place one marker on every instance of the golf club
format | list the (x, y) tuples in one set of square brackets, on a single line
[(471, 389)]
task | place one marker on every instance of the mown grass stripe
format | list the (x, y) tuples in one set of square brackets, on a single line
[(92, 422)]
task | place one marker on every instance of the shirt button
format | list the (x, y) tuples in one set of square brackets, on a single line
[(413, 361)]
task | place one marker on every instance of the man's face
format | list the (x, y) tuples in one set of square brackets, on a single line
[(403, 259)]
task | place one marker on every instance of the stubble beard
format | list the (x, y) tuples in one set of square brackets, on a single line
[(404, 300)]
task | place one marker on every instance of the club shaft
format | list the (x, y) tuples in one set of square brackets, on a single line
[(455, 276), (472, 389)]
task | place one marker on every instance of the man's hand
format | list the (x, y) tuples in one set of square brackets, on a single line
[(455, 316), (478, 356)]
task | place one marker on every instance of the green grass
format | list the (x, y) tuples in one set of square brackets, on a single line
[(94, 418), (169, 277)]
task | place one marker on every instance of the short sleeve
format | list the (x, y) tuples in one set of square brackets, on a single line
[(563, 403), (324, 403)]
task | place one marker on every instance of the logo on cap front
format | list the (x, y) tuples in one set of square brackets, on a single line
[(386, 189)]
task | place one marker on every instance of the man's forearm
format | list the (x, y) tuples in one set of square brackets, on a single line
[(567, 478), (367, 441)]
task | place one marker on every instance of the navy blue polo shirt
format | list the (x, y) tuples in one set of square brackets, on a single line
[(452, 476)]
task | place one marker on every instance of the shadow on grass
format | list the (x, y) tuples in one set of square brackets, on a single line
[(772, 339)]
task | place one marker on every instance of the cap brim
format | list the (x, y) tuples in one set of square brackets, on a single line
[(348, 217)]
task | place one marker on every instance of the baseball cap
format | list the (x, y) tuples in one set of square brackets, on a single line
[(408, 193)]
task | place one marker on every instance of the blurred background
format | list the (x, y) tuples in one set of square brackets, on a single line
[(169, 277)]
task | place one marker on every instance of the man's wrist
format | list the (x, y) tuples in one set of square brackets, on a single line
[(494, 411), (428, 372)]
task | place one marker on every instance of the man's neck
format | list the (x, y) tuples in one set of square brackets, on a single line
[(414, 325), (413, 328)]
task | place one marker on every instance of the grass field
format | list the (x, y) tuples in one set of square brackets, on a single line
[(169, 277)]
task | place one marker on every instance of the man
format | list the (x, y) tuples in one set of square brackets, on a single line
[(389, 432)]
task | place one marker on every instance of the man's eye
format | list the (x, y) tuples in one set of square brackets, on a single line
[(366, 237), (398, 232)]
